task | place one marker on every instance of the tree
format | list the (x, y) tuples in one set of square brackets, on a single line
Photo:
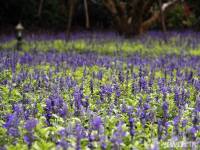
[(193, 6), (40, 8), (134, 17), (87, 21), (71, 7), (162, 16)]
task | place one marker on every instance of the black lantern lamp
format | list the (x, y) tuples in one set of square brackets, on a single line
[(19, 29)]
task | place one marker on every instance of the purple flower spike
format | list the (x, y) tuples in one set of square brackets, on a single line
[(165, 106), (184, 123), (118, 135), (96, 123), (30, 124)]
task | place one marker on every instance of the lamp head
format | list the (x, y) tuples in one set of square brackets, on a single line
[(19, 27)]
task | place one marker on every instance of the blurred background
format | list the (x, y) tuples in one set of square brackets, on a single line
[(53, 15)]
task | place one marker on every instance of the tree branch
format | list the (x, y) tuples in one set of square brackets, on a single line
[(162, 16), (157, 14), (40, 8), (86, 14), (111, 6), (168, 5), (71, 4)]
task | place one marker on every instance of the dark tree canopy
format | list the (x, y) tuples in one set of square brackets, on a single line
[(125, 16)]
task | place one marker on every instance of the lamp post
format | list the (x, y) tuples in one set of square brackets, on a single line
[(19, 28)]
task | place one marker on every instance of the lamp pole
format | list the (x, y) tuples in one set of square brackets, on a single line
[(19, 29)]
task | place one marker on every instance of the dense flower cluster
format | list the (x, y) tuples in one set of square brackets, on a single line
[(78, 101)]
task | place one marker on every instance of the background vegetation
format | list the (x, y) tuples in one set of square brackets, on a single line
[(54, 15)]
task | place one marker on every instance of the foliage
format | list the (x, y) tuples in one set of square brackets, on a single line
[(177, 19), (54, 15)]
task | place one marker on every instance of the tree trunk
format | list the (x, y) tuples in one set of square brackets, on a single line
[(71, 6), (40, 8), (162, 17), (62, 7), (87, 21), (157, 14), (131, 18)]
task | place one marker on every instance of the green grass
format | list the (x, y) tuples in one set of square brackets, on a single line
[(151, 47)]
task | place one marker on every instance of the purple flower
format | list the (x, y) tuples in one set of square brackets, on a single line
[(160, 129), (167, 124), (18, 109), (29, 138), (121, 77), (30, 124), (91, 138), (26, 58), (176, 120), (100, 75), (161, 84), (63, 110), (197, 106), (77, 98), (142, 83), (85, 103), (164, 89), (118, 135), (79, 135), (190, 77), (151, 81), (12, 120), (69, 82), (11, 125), (184, 123), (27, 88), (55, 105), (133, 88), (48, 116), (192, 130), (123, 108), (176, 97), (64, 144), (146, 106), (129, 110), (118, 92), (96, 123), (165, 106), (103, 143), (13, 131), (131, 120), (106, 90), (132, 130), (197, 85)]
